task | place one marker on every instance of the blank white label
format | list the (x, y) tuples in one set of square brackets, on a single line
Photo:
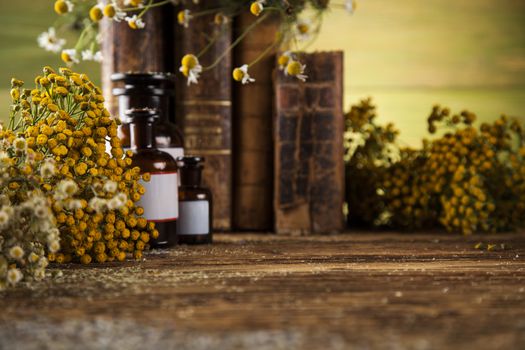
[(161, 200), (194, 218)]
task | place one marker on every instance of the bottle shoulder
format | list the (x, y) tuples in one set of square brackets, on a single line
[(151, 160), (191, 193)]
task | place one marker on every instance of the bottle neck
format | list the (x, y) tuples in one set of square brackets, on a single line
[(190, 177), (141, 135)]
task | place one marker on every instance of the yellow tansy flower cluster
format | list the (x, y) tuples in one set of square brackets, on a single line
[(63, 119), (467, 180)]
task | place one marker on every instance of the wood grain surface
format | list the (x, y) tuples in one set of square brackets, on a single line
[(359, 290)]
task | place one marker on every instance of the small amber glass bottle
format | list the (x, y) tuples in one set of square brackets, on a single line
[(160, 201), (195, 204), (150, 90)]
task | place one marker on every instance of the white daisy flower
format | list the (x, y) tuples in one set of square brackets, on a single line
[(135, 22), (20, 144), (16, 252), (257, 7), (191, 68), (69, 56), (41, 211), (110, 186), (89, 55), (33, 258), (118, 201), (98, 204), (50, 42), (303, 29), (74, 204), (184, 17), (241, 74), (296, 69), (283, 60), (14, 276), (68, 187), (53, 246), (4, 218), (47, 169)]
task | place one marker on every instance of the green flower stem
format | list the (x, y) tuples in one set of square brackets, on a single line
[(145, 9), (237, 41), (265, 52), (157, 4), (210, 43)]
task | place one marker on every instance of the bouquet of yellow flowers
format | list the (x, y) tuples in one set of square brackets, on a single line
[(64, 130), (469, 179)]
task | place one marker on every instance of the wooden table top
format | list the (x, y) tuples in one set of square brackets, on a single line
[(248, 291)]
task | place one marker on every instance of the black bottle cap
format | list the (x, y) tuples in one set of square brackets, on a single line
[(189, 161), (145, 115)]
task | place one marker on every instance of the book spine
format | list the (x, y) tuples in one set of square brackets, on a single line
[(134, 50), (204, 110), (253, 109), (309, 168)]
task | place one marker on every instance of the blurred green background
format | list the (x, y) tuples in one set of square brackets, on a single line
[(406, 54)]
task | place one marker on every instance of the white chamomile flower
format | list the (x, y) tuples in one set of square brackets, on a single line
[(98, 204), (257, 7), (110, 186), (117, 201), (89, 55), (68, 187), (296, 69), (350, 6), (50, 42), (41, 211), (20, 144), (74, 204), (241, 74), (33, 258), (16, 252), (135, 22), (69, 56), (4, 218), (4, 158), (53, 246), (47, 169), (14, 276), (283, 60), (113, 11), (303, 29), (191, 68), (184, 17)]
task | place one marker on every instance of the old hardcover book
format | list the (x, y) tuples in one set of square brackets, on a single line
[(135, 50), (253, 110), (309, 168), (204, 110)]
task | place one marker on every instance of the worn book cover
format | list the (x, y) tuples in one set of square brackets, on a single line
[(309, 168), (253, 110)]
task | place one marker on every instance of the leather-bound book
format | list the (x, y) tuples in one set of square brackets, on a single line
[(308, 132), (253, 110), (205, 109), (135, 50)]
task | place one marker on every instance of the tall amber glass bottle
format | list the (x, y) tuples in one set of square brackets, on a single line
[(160, 201), (195, 204), (150, 90)]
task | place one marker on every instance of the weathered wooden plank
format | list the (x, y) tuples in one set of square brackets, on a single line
[(278, 292)]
